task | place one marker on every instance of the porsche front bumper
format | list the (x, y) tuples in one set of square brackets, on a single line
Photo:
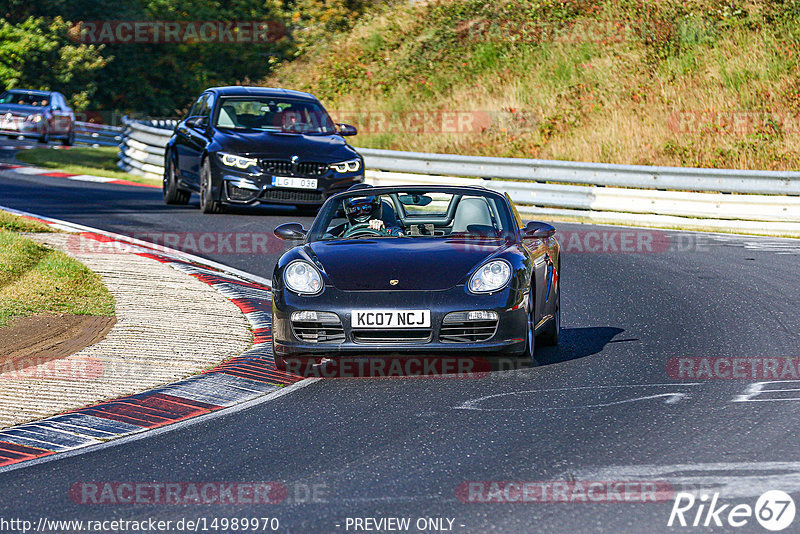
[(508, 337)]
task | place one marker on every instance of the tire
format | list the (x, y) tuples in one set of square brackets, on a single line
[(69, 140), (552, 333), (207, 203), (527, 355), (44, 139), (173, 195)]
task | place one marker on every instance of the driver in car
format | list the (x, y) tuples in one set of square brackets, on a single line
[(363, 214)]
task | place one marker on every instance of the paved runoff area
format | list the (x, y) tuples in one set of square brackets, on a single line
[(175, 319)]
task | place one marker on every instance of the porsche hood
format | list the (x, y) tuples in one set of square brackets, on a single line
[(416, 264)]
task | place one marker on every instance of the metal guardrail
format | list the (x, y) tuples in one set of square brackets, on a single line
[(142, 149), (88, 133), (763, 202)]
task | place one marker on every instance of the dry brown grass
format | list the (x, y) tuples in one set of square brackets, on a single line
[(591, 101)]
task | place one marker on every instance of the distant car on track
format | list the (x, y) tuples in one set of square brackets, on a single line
[(39, 114), (418, 270), (247, 145)]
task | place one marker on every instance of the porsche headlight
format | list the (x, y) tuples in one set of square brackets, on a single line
[(490, 277), (35, 118), (352, 165), (301, 277), (239, 162)]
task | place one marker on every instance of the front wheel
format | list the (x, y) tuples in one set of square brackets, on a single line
[(44, 138), (530, 339), (207, 202), (69, 140), (173, 195), (552, 333)]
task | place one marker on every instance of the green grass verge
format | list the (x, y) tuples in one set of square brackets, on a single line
[(15, 223), (36, 279), (101, 161)]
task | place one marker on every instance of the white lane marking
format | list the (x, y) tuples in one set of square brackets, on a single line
[(31, 170), (90, 178), (148, 433), (672, 397), (757, 389), (151, 247), (752, 479)]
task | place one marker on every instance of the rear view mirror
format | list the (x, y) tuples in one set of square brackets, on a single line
[(290, 232), (538, 230), (414, 200)]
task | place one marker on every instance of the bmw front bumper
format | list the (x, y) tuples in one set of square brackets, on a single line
[(239, 187)]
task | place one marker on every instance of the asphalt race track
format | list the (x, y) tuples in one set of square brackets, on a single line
[(605, 405)]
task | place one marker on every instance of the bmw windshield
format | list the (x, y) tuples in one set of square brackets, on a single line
[(274, 115)]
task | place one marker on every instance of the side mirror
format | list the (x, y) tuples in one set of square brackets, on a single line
[(538, 230), (346, 129), (290, 232), (196, 122)]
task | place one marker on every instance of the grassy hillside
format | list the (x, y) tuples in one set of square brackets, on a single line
[(701, 83)]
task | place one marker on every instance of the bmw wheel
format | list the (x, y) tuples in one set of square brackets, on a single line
[(173, 195), (207, 202)]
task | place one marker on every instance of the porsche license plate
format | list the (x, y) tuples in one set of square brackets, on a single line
[(294, 183), (391, 319)]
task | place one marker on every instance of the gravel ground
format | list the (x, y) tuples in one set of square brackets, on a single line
[(169, 326)]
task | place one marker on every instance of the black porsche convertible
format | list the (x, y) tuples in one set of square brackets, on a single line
[(420, 270)]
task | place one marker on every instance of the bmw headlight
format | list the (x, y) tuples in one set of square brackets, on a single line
[(301, 277), (239, 162), (35, 118), (352, 165), (490, 277)]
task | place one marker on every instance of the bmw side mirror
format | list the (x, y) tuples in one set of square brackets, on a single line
[(538, 230), (290, 232), (346, 129), (196, 122)]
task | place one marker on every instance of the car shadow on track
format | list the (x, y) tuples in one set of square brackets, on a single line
[(577, 343)]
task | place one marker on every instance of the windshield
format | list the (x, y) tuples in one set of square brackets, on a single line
[(414, 214), (24, 99), (274, 115)]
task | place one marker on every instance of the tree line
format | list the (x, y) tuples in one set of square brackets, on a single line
[(150, 57)]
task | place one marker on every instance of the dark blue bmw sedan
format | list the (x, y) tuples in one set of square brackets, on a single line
[(247, 145)]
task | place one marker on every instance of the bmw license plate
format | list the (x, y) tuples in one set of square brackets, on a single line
[(391, 319), (294, 183)]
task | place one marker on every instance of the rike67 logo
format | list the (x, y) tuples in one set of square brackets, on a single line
[(774, 510)]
